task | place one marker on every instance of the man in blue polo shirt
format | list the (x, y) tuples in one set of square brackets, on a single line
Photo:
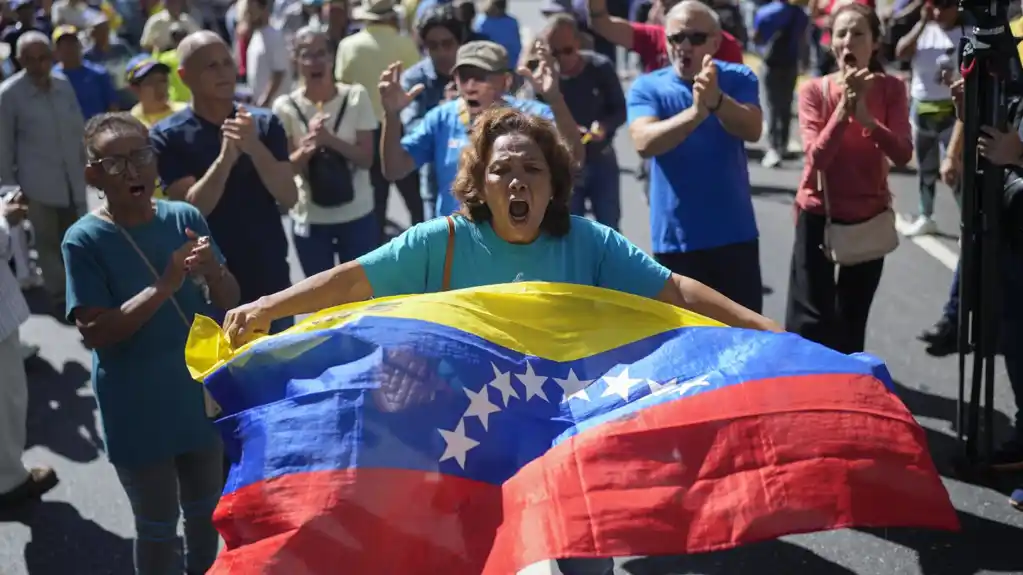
[(482, 77), (232, 164), (93, 85), (692, 119)]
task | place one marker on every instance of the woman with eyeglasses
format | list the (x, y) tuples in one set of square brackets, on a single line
[(138, 271), (330, 130)]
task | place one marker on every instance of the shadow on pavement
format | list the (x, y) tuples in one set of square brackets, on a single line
[(60, 417), (764, 190), (983, 546), (65, 542), (769, 557)]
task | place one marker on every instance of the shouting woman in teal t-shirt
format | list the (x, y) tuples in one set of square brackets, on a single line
[(514, 183)]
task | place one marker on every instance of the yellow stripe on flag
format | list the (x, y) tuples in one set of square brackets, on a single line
[(602, 320)]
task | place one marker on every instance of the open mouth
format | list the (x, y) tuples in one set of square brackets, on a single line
[(518, 210), (849, 60), (137, 190), (687, 61), (472, 103)]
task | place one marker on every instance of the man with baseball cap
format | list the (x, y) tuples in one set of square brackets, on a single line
[(482, 77), (27, 14), (149, 81), (92, 83)]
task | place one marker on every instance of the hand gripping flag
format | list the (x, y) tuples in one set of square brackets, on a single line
[(484, 430)]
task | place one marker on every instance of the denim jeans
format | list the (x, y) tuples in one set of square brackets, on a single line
[(931, 135), (327, 245), (600, 182), (187, 485)]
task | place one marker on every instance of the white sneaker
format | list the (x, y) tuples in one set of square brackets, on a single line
[(771, 159), (922, 226)]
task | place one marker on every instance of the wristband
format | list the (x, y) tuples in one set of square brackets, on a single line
[(721, 100)]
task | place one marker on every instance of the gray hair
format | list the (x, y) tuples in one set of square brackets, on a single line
[(29, 38), (690, 7), (195, 41), (308, 33), (118, 123)]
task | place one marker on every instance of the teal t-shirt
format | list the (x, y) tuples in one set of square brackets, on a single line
[(590, 254), (150, 406)]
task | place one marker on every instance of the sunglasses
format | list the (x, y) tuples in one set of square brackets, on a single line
[(117, 165), (695, 38)]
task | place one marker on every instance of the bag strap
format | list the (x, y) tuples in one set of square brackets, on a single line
[(341, 112), (152, 270), (298, 111), (449, 255), (821, 182)]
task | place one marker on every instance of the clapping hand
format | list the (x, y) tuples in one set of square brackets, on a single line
[(201, 259), (319, 135), (707, 93), (857, 85), (543, 79), (393, 97), (241, 130)]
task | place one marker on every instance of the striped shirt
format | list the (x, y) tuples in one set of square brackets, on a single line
[(13, 308)]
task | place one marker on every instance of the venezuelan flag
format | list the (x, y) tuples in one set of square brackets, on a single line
[(484, 430)]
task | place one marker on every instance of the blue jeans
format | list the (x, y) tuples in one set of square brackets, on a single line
[(328, 245), (190, 485), (931, 135), (600, 182)]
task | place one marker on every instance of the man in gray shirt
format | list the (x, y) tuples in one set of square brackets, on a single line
[(41, 151)]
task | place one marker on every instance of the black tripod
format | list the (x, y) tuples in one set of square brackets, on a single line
[(988, 60)]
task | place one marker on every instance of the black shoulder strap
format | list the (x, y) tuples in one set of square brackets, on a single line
[(341, 112), (298, 111)]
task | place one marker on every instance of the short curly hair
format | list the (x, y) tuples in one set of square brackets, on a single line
[(494, 123)]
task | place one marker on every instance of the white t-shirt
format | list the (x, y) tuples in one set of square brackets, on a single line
[(359, 117), (935, 49), (157, 31), (267, 53)]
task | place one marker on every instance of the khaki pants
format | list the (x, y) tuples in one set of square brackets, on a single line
[(50, 224), (13, 412)]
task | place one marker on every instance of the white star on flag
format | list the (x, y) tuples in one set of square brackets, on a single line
[(574, 387), (457, 444), (480, 406), (502, 382), (620, 384), (533, 382)]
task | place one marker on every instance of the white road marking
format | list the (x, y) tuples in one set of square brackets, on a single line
[(929, 244)]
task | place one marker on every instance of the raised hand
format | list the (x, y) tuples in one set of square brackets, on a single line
[(707, 93), (241, 129), (544, 79), (393, 97), (176, 270)]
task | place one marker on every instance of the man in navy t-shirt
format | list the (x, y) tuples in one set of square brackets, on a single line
[(693, 119), (232, 164)]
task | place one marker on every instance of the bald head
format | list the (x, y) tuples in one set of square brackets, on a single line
[(195, 42), (688, 9)]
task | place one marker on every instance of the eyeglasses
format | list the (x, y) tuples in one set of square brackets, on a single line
[(117, 165), (695, 38)]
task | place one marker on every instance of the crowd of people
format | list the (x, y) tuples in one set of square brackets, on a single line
[(200, 125)]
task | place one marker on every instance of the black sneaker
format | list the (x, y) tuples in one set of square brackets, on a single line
[(942, 338)]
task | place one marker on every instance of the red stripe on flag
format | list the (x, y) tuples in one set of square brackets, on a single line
[(736, 465)]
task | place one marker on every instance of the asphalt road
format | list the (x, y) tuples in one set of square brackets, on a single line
[(83, 527)]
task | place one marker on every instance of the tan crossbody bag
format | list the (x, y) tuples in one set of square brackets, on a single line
[(851, 244)]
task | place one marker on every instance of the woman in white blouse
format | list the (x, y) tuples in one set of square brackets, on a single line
[(330, 127)]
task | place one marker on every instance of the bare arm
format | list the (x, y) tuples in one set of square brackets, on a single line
[(206, 192), (276, 175), (744, 121), (360, 153), (224, 290), (569, 129), (103, 327), (653, 137), (395, 162), (905, 49), (339, 285), (694, 296), (611, 28)]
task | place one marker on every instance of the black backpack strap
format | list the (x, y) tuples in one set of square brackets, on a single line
[(341, 112), (298, 111)]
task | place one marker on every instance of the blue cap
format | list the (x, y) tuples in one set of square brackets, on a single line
[(141, 65)]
